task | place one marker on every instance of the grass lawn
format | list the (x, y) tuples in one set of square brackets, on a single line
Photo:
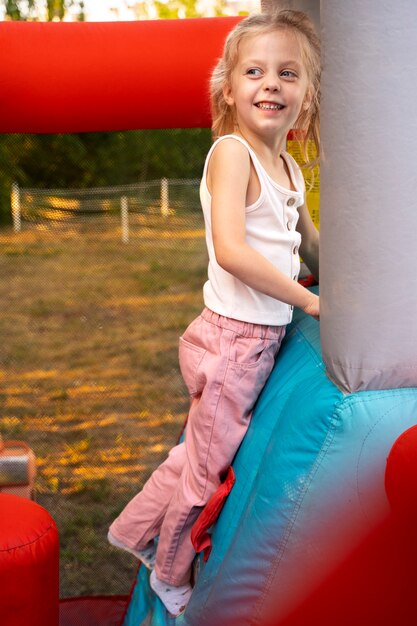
[(89, 374)]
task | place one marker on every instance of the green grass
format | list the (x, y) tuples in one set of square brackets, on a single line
[(89, 375)]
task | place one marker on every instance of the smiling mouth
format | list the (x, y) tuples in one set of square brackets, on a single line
[(269, 106)]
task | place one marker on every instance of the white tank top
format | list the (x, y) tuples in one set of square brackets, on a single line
[(270, 229)]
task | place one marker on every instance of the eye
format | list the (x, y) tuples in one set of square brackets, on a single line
[(254, 71), (288, 74)]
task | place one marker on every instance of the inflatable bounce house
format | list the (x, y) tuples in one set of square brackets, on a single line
[(315, 523)]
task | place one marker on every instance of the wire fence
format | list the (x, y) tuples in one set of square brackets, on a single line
[(126, 205)]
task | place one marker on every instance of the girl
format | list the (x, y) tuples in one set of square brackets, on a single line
[(252, 195)]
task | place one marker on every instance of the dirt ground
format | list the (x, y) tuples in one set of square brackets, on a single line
[(89, 375)]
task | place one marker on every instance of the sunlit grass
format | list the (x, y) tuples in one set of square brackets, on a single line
[(88, 371)]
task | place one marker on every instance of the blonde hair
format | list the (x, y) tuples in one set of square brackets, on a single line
[(284, 20)]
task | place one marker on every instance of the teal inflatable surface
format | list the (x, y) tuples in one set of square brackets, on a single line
[(309, 487)]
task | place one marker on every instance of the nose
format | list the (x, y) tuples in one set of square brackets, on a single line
[(272, 83)]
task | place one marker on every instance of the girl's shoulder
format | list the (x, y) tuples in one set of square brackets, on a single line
[(231, 138), (228, 159), (230, 143), (230, 150)]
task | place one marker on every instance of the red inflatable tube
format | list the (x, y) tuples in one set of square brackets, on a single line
[(29, 572), (93, 76)]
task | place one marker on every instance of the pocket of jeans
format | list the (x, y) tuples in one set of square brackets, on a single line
[(190, 358), (248, 352)]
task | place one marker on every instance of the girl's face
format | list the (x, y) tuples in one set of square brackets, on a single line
[(269, 85)]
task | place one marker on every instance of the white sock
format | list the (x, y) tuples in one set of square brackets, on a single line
[(174, 598), (147, 555)]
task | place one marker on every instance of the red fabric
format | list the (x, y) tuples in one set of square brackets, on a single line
[(199, 536), (375, 585), (295, 134), (93, 76), (92, 611), (401, 476), (308, 281), (29, 557)]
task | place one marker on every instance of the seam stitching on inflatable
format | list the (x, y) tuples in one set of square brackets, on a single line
[(23, 545)]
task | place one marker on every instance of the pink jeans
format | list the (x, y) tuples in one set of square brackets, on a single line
[(225, 364)]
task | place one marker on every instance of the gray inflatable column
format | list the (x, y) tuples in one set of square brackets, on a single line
[(368, 280)]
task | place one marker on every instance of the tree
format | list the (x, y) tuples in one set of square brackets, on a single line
[(37, 9), (82, 160), (173, 9), (14, 11), (177, 8), (56, 9)]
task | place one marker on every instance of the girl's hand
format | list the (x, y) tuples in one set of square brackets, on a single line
[(313, 306)]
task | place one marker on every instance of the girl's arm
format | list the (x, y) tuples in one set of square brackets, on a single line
[(228, 180), (309, 248)]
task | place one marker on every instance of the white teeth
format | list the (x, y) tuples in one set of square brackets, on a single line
[(269, 106)]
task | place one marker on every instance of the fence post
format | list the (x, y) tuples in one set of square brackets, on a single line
[(164, 197), (125, 219), (15, 203)]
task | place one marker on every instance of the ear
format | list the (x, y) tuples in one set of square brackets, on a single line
[(228, 95), (308, 99)]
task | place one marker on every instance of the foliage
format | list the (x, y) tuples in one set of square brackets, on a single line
[(98, 159), (32, 9), (182, 8), (15, 11), (56, 9)]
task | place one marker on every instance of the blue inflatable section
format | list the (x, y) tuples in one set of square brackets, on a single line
[(309, 487)]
